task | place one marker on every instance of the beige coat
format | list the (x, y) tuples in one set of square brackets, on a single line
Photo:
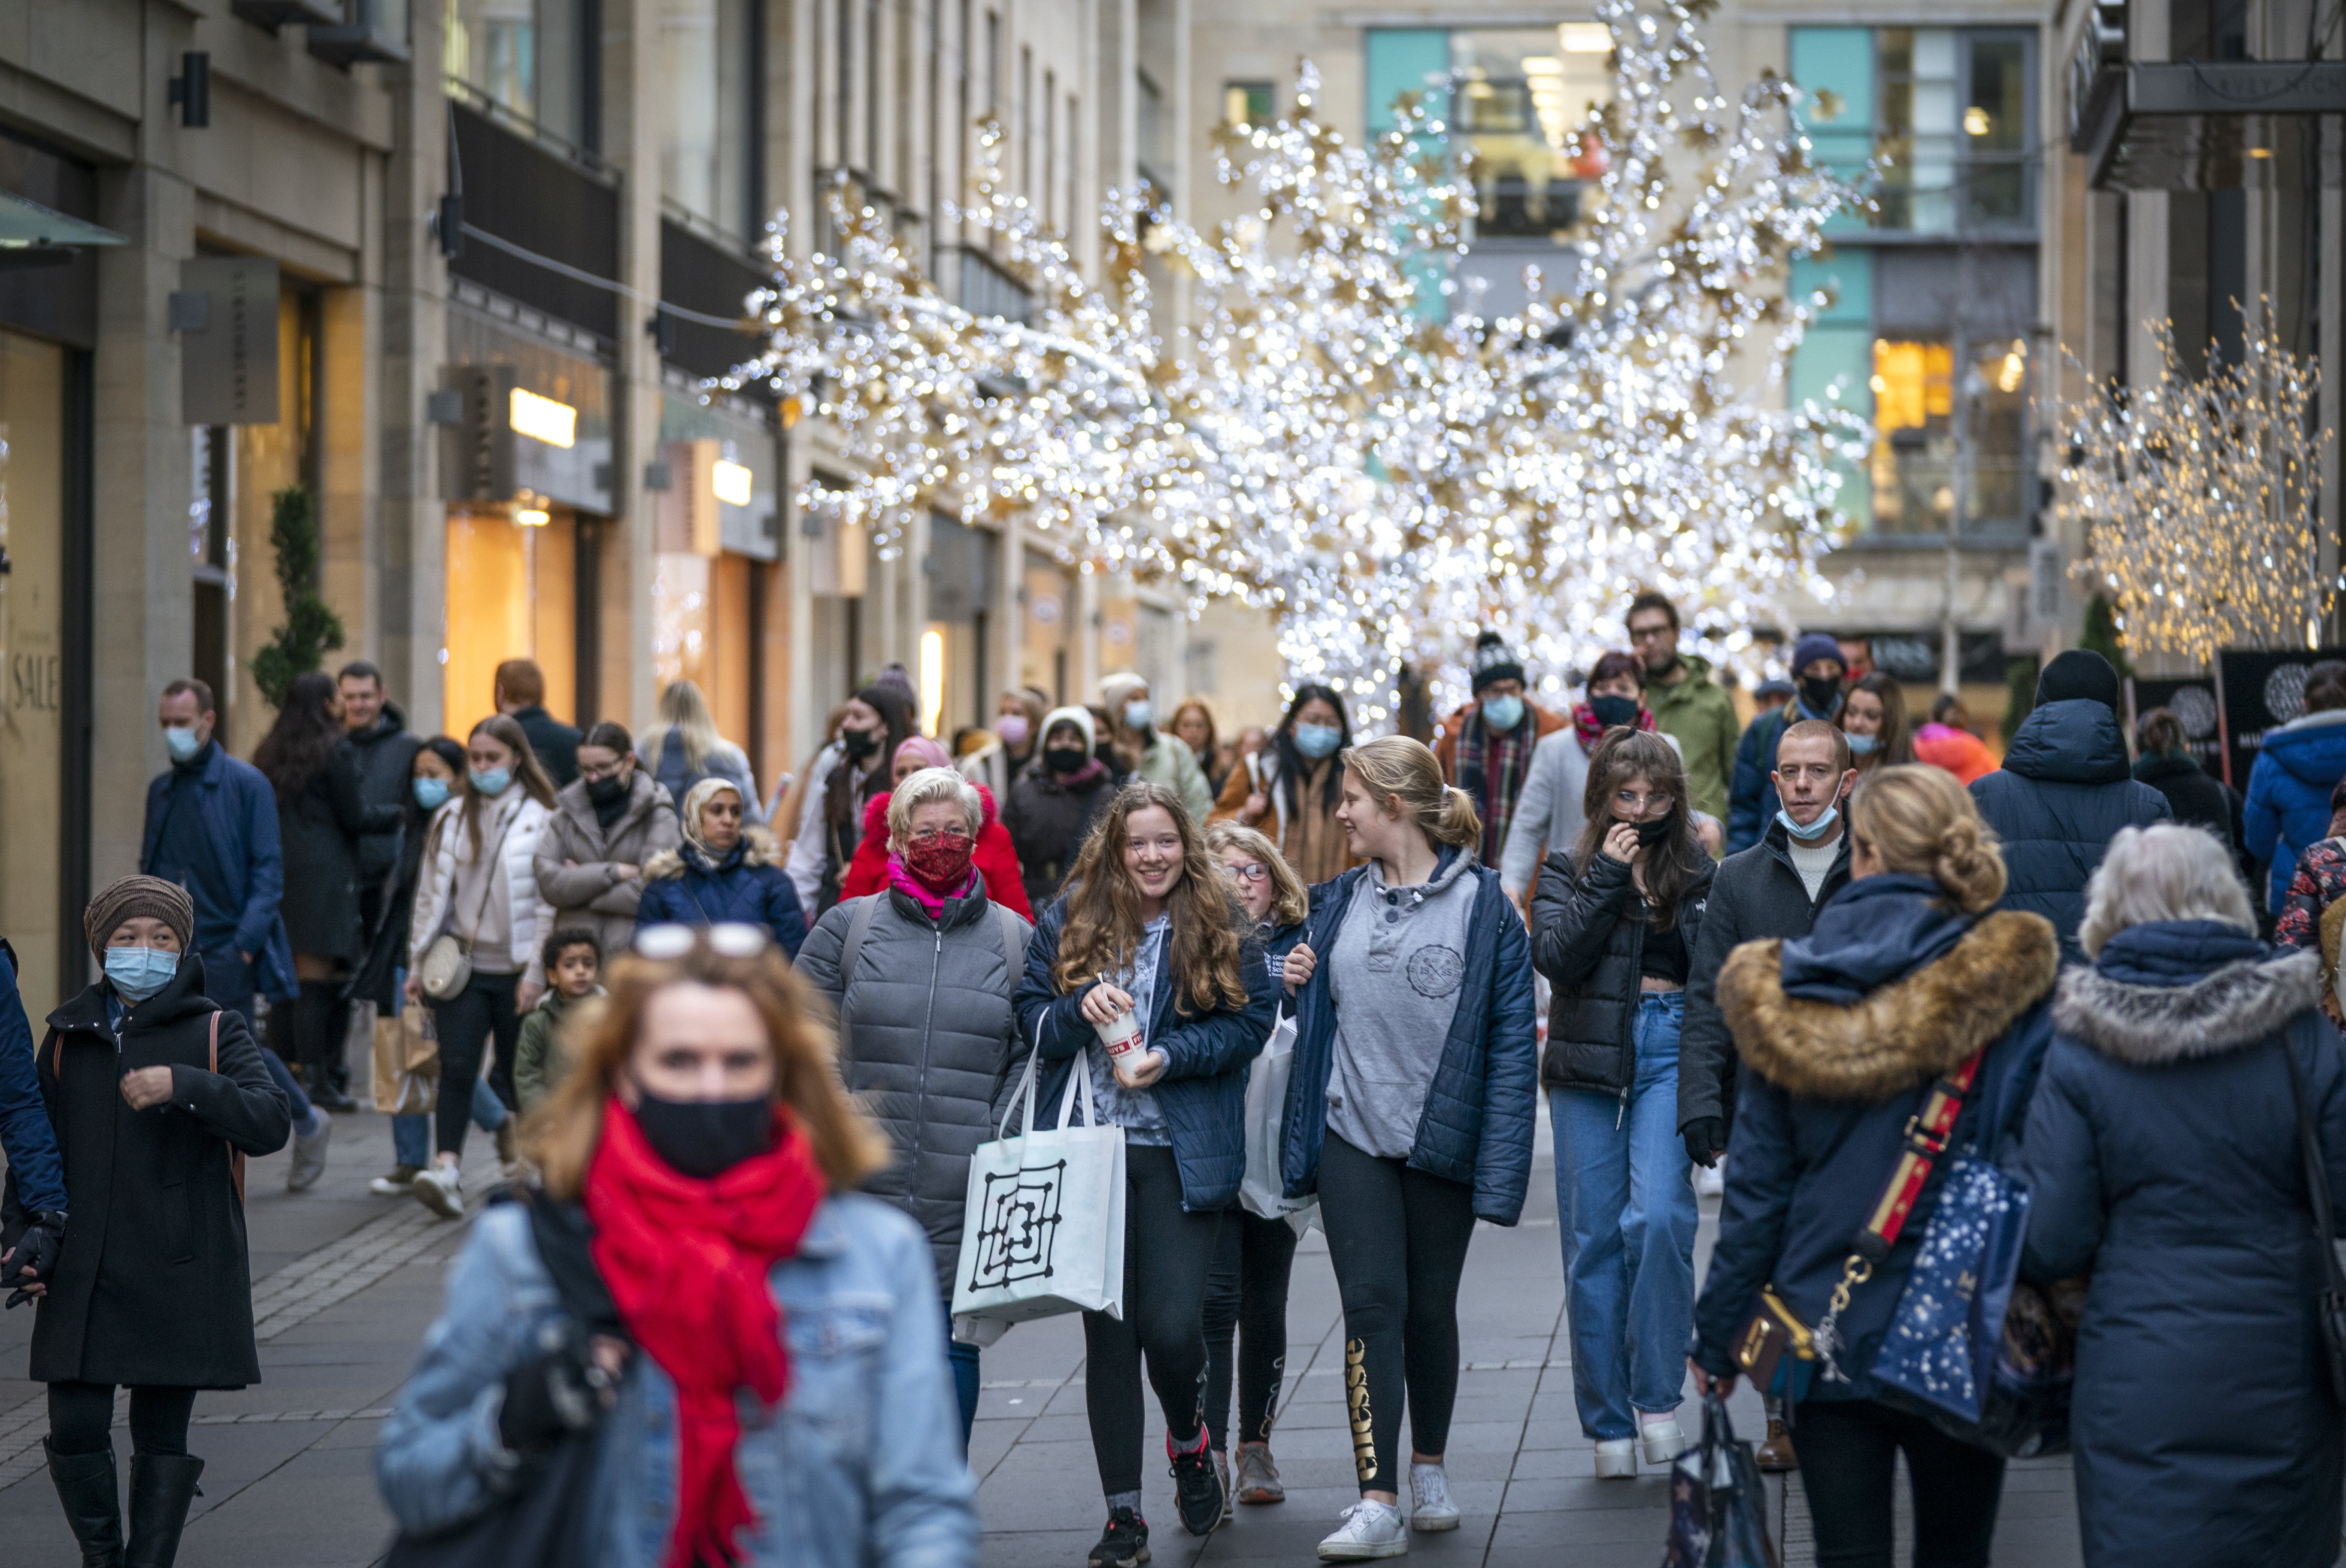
[(578, 863)]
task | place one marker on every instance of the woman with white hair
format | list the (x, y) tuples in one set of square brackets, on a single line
[(2164, 1151), (921, 975), (684, 749), (725, 870)]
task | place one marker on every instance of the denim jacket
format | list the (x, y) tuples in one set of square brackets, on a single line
[(860, 1468)]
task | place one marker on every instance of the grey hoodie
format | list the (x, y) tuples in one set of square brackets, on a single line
[(1394, 973)]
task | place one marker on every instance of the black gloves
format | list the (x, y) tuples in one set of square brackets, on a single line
[(558, 1391), (37, 1250), (1706, 1140)]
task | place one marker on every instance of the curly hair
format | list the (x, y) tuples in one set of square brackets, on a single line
[(1103, 925)]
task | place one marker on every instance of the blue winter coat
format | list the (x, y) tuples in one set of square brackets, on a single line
[(2288, 793), (1202, 1094), (240, 819), (2065, 791), (1842, 1034), (1752, 802), (35, 1169), (2162, 1152), (1477, 1128), (747, 885)]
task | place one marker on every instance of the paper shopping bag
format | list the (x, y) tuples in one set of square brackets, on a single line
[(406, 1062)]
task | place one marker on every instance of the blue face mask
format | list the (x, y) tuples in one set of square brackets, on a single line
[(432, 793), (180, 740), (1861, 744), (138, 973), (491, 783), (1815, 830), (1318, 741), (1503, 712), (1138, 713)]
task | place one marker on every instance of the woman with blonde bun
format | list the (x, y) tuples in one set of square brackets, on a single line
[(1410, 1112), (1906, 977)]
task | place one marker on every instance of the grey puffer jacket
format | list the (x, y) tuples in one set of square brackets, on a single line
[(577, 863), (926, 1037)]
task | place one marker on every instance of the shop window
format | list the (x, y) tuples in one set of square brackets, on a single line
[(1519, 98), (32, 636), (1248, 104), (511, 593), (1948, 110), (709, 53), (526, 56), (1914, 458)]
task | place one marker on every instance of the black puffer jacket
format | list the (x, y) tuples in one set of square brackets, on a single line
[(386, 752), (1588, 939), (1048, 823)]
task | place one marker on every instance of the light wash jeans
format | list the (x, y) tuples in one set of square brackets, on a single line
[(411, 1136), (1628, 1218)]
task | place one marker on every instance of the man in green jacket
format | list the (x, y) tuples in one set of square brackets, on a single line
[(1687, 704)]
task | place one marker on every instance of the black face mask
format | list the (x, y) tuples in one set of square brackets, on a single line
[(1064, 758), (1820, 692), (705, 1138), (608, 792), (1614, 711), (859, 744), (1655, 833)]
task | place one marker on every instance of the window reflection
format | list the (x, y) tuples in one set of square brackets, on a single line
[(522, 55), (1912, 465), (706, 50), (1519, 99)]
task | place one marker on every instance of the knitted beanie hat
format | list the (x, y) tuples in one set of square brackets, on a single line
[(1817, 645), (133, 897), (1115, 689), (2079, 673), (1494, 661)]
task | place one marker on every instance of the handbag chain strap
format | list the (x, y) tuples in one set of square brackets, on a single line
[(1927, 1135)]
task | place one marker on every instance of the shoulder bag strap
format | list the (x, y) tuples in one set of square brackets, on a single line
[(235, 1155), (2309, 1148), (858, 927), (490, 856)]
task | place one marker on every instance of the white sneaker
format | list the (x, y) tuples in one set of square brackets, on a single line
[(1663, 1441), (1371, 1529), (441, 1190), (1430, 1507), (1230, 1498), (1617, 1458)]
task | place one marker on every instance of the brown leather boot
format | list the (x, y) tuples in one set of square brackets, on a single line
[(1776, 1454)]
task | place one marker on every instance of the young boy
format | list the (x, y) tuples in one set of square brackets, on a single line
[(573, 958)]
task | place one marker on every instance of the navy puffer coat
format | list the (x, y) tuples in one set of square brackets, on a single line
[(2065, 791), (749, 885), (2163, 1152)]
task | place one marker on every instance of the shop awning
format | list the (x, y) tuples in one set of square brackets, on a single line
[(26, 223)]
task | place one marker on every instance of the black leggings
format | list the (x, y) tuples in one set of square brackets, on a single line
[(1167, 1252), (1398, 1239), (1848, 1450), (1247, 1294), (465, 1024), (82, 1414)]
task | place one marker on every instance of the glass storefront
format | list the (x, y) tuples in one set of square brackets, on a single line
[(31, 588), (716, 578)]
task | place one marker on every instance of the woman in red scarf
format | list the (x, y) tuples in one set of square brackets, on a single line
[(769, 1383)]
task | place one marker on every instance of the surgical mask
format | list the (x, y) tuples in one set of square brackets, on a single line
[(180, 740), (1614, 712), (493, 782), (1653, 833), (1064, 758), (1815, 830), (1503, 712), (1318, 741), (1138, 713), (138, 973), (1821, 693), (1012, 728), (1861, 745), (431, 794), (706, 1138)]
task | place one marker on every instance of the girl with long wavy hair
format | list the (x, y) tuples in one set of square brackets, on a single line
[(1147, 926)]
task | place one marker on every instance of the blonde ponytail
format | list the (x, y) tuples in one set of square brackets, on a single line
[(1459, 824), (1916, 818), (1396, 768)]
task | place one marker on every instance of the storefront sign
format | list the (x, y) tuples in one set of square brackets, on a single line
[(2257, 691), (226, 313), (516, 445)]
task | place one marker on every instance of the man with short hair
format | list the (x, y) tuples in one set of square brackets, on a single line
[(1821, 669), (521, 696), (1485, 748), (1687, 704)]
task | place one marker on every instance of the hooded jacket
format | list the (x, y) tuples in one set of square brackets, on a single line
[(1588, 938), (995, 860), (538, 1062), (746, 885), (2288, 793), (578, 860), (1842, 1031), (1698, 713), (2063, 793), (2163, 1159)]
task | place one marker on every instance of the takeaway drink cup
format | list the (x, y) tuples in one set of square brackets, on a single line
[(1120, 1037)]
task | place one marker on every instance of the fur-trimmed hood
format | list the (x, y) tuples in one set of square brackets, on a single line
[(1896, 1035), (759, 848), (2237, 1006)]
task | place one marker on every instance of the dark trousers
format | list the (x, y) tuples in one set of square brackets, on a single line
[(1246, 1300), (1847, 1451), (1167, 1253), (465, 1023), (1398, 1239), (80, 1415)]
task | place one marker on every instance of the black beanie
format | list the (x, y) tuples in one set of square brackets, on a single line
[(1494, 660), (2080, 672)]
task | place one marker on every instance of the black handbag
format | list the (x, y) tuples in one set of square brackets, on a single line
[(546, 1520), (2330, 1305)]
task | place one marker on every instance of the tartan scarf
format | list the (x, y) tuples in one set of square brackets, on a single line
[(1490, 769)]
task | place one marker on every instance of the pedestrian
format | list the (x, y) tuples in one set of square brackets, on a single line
[(386, 753), (844, 777), (2319, 887), (2163, 760), (34, 1201), (1770, 890), (520, 695), (1910, 973), (2161, 1163), (2290, 782), (1246, 1294), (1056, 802), (684, 748), (1147, 752), (1485, 748), (1250, 742), (478, 885), (1290, 789), (1017, 731), (1768, 697), (1947, 741), (725, 869), (924, 1004), (996, 859), (2066, 787), (1614, 923), (1410, 1111), (1821, 667), (605, 827), (763, 1380), (1193, 726), (572, 959), (1873, 721), (1147, 926), (151, 1089), (1548, 815), (1689, 705), (321, 813)]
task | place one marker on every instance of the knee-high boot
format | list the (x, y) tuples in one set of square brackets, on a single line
[(314, 1029), (162, 1485), (85, 1484)]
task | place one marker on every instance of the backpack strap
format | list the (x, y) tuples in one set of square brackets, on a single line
[(234, 1156), (1013, 932), (859, 926)]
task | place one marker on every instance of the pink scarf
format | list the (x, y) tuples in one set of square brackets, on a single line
[(901, 878)]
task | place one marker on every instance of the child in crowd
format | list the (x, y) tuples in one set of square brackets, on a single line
[(573, 959)]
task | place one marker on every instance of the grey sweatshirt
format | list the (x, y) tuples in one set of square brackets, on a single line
[(1394, 973)]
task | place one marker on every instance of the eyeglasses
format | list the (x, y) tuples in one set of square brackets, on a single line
[(667, 942), (1651, 634), (594, 774), (1253, 871)]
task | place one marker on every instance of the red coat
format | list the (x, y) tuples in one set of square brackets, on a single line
[(998, 862)]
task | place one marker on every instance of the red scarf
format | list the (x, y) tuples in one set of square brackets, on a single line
[(1585, 725), (687, 1263)]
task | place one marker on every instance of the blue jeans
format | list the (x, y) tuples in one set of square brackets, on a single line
[(964, 1374), (411, 1136), (1626, 1213)]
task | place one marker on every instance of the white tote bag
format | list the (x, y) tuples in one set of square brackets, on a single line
[(1043, 1227), (1263, 1190)]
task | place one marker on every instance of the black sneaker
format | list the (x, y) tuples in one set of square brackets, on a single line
[(1124, 1544), (1196, 1486)]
